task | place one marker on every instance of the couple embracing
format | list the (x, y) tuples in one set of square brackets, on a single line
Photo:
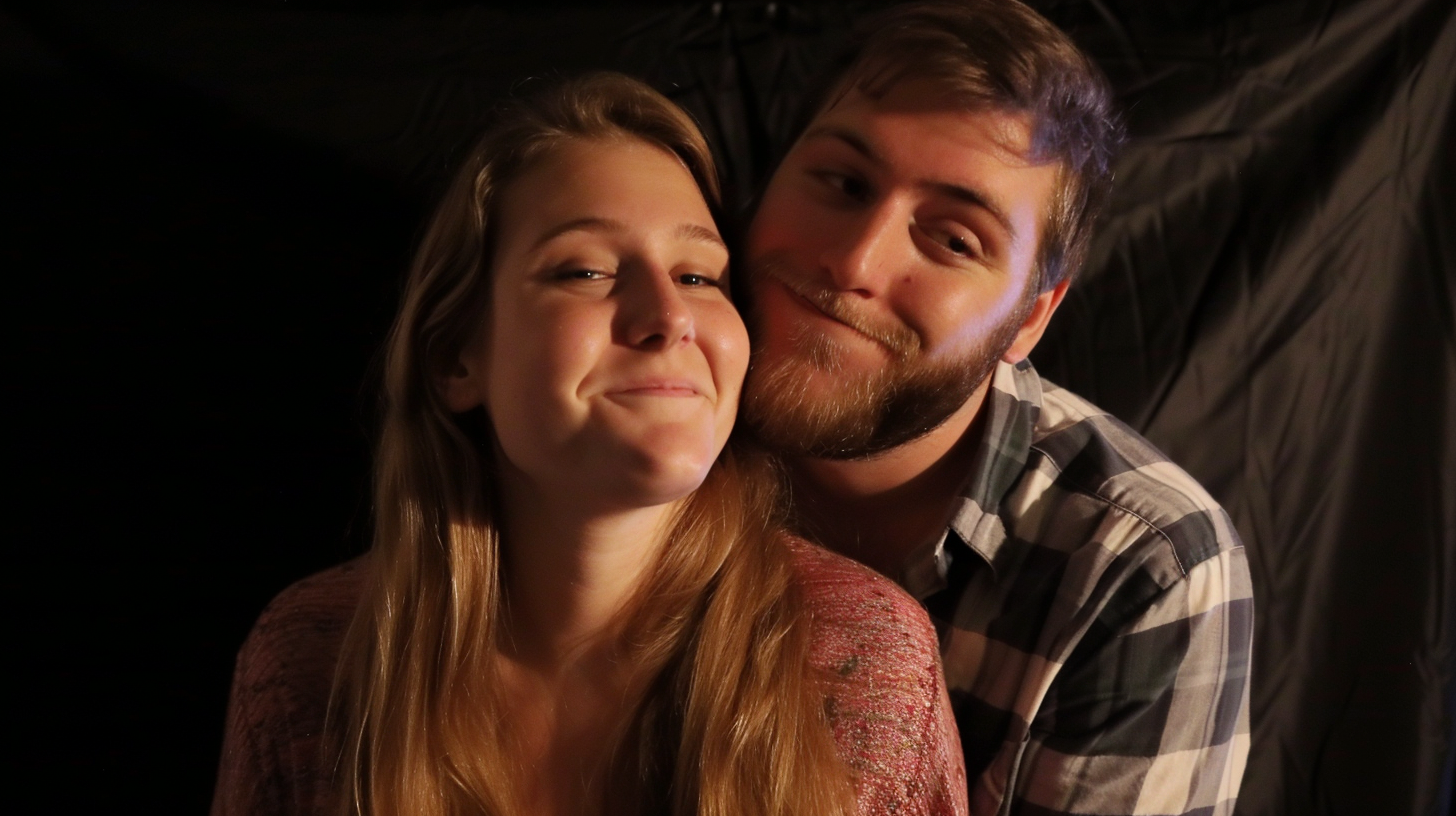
[(915, 579)]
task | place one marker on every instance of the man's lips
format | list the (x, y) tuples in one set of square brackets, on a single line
[(841, 310), (810, 305)]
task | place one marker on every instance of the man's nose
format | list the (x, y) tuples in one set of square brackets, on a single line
[(654, 314), (860, 259)]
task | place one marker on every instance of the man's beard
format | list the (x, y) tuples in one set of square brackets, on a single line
[(862, 413)]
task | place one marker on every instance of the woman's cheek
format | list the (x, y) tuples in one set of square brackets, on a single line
[(729, 353)]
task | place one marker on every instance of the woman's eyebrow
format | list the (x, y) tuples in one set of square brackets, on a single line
[(586, 224), (698, 232), (685, 230)]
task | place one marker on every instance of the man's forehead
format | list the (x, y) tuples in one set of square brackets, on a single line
[(877, 117)]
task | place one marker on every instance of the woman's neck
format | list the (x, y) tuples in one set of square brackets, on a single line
[(569, 569)]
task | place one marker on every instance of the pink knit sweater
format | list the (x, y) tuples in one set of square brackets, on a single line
[(889, 710)]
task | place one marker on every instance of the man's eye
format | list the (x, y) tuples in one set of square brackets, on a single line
[(957, 243), (851, 187)]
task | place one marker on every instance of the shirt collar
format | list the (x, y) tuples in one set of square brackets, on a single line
[(1012, 406), (926, 569)]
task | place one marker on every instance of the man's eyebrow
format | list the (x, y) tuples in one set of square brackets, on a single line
[(685, 230), (979, 199), (854, 140), (969, 195)]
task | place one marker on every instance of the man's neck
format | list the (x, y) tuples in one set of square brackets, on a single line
[(879, 511)]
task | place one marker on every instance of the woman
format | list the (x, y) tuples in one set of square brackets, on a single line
[(578, 601)]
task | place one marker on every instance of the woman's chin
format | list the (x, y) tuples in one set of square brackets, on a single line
[(660, 466), (655, 481), (624, 471)]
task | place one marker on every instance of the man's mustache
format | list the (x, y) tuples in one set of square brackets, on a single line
[(896, 337)]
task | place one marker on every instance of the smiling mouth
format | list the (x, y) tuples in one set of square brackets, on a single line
[(657, 392), (815, 307), (666, 388), (899, 344)]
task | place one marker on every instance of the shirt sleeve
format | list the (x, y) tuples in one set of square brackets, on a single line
[(1149, 713), (886, 698), (252, 773), (899, 728), (272, 756)]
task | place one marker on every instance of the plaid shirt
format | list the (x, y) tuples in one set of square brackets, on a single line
[(1095, 615)]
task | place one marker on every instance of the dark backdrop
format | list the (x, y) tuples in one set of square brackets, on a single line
[(207, 206)]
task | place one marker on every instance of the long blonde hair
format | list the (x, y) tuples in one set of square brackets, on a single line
[(733, 722)]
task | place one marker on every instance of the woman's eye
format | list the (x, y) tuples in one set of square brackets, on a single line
[(581, 275), (694, 279)]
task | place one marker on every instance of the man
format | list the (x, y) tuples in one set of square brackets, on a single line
[(1093, 601)]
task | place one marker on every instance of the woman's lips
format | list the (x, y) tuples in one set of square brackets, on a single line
[(657, 388)]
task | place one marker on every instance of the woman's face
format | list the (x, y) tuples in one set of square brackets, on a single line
[(612, 359)]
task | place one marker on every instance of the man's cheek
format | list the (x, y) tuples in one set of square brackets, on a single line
[(766, 318)]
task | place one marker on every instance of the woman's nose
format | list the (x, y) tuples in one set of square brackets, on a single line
[(654, 314)]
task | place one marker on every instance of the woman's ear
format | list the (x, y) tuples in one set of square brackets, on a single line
[(461, 386)]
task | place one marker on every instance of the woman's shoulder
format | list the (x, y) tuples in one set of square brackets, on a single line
[(286, 664), (281, 684), (320, 599), (308, 617), (845, 595), (885, 693)]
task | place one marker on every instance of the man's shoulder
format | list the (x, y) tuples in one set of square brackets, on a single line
[(1086, 465), (1107, 628)]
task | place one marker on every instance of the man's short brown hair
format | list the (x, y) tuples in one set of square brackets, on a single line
[(1001, 54)]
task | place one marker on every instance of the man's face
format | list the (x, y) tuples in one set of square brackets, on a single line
[(891, 264)]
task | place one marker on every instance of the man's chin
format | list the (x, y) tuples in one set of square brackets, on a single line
[(795, 407)]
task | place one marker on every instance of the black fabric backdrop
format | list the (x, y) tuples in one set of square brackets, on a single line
[(208, 206)]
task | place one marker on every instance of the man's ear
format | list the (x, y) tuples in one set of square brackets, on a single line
[(461, 386), (1036, 321)]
